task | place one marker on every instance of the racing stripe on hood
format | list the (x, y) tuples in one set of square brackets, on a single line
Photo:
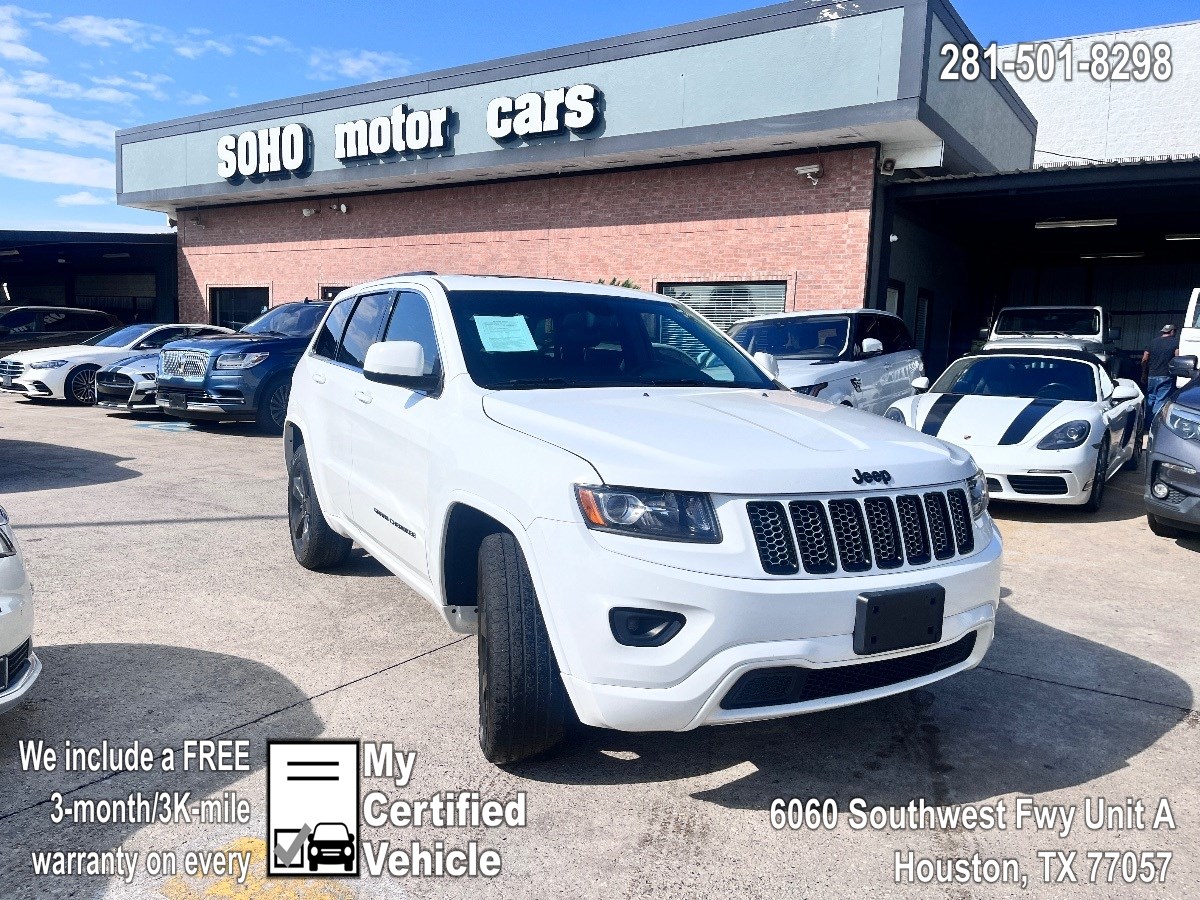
[(938, 412), (1027, 420)]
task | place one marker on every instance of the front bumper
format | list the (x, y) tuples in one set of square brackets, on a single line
[(202, 403), (1182, 505), (16, 629), (140, 398), (1059, 477), (734, 626)]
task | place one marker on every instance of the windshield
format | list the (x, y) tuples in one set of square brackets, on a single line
[(526, 340), (331, 831), (119, 336), (1048, 321), (1036, 377), (289, 320), (809, 337)]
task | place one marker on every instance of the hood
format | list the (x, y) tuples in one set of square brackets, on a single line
[(1049, 342), (728, 441), (136, 361), (240, 343), (804, 372), (74, 351), (971, 421), (1189, 395)]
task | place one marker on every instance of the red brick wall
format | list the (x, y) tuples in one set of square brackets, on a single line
[(739, 220)]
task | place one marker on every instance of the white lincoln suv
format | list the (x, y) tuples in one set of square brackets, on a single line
[(645, 529)]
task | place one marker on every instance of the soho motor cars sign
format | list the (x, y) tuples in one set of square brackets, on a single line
[(267, 151)]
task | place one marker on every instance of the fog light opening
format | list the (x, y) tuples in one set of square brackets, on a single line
[(1160, 490), (644, 627)]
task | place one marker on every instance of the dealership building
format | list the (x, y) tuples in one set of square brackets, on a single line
[(805, 155)]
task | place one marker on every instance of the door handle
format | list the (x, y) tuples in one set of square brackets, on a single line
[(318, 378), (363, 397)]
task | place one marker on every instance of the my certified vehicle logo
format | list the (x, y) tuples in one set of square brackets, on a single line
[(883, 476)]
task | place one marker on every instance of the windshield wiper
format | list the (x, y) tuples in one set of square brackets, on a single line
[(519, 383)]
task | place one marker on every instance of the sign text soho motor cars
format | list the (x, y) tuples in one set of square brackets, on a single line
[(645, 529), (862, 358)]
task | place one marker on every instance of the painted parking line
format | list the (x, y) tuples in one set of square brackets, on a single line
[(164, 426)]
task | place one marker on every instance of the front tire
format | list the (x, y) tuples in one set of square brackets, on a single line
[(272, 406), (80, 386), (315, 545), (524, 709), (1100, 480)]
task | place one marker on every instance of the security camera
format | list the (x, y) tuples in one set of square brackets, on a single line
[(308, 211), (813, 172), (339, 207), (887, 167)]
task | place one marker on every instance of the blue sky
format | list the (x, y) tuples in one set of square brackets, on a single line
[(73, 71)]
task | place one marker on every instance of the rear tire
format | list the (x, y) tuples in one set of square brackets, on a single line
[(80, 386), (524, 709), (1135, 462), (1100, 479), (315, 545), (272, 406), (1161, 528)]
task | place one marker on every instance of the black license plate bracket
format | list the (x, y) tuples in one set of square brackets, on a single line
[(898, 619)]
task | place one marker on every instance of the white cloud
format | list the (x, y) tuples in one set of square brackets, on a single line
[(11, 35), (41, 84), (260, 44), (21, 117), (99, 31), (196, 99), (83, 198), (196, 49), (140, 82), (357, 65), (50, 167)]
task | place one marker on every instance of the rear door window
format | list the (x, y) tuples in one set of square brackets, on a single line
[(363, 330)]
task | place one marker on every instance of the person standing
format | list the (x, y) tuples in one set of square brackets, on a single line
[(1155, 360)]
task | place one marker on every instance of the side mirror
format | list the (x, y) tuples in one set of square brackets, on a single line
[(1114, 333), (871, 347), (1125, 390), (768, 362), (400, 363), (1182, 367), (984, 333), (921, 385)]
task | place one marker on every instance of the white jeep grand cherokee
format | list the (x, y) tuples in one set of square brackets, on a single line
[(646, 531)]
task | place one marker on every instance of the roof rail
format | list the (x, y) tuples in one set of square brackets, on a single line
[(409, 274)]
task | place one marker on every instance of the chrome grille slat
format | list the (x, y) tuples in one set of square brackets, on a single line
[(861, 533), (184, 363), (12, 368)]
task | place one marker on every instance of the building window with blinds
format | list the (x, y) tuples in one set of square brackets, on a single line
[(726, 303)]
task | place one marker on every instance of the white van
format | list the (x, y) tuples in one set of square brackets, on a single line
[(1189, 338)]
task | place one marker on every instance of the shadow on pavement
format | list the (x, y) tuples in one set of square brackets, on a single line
[(972, 737), (158, 695), (27, 466)]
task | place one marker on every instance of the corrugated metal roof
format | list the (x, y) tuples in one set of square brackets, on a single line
[(1086, 165)]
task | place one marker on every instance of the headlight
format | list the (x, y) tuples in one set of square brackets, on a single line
[(1066, 437), (665, 515), (977, 492), (1183, 422), (7, 548), (48, 364), (895, 415), (240, 360), (812, 390)]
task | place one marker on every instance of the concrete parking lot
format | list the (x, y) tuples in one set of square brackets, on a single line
[(170, 608)]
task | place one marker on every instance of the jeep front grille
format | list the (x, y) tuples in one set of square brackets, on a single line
[(185, 363), (855, 535)]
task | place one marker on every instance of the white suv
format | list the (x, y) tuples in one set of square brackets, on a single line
[(864, 358), (645, 529)]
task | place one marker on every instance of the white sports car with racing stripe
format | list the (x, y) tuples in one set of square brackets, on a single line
[(1045, 426)]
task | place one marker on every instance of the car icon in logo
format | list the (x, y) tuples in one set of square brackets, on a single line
[(331, 844)]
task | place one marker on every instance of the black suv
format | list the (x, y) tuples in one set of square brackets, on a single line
[(35, 327)]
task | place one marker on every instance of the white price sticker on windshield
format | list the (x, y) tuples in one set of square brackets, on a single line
[(505, 334)]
